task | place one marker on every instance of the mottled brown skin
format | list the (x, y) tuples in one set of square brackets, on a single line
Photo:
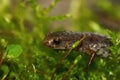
[(93, 44)]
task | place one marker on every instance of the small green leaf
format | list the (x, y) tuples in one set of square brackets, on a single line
[(75, 44), (78, 42), (13, 51), (5, 69)]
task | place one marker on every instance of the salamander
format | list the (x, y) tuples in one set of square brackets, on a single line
[(93, 44)]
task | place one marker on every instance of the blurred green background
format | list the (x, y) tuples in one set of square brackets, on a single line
[(24, 24)]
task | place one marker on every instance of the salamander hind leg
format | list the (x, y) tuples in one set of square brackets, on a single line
[(92, 56)]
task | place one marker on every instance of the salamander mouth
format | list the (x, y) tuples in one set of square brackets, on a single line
[(46, 43)]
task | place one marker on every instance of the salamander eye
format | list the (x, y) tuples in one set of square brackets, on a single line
[(56, 41)]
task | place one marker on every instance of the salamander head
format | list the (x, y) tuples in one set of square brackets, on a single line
[(59, 40)]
